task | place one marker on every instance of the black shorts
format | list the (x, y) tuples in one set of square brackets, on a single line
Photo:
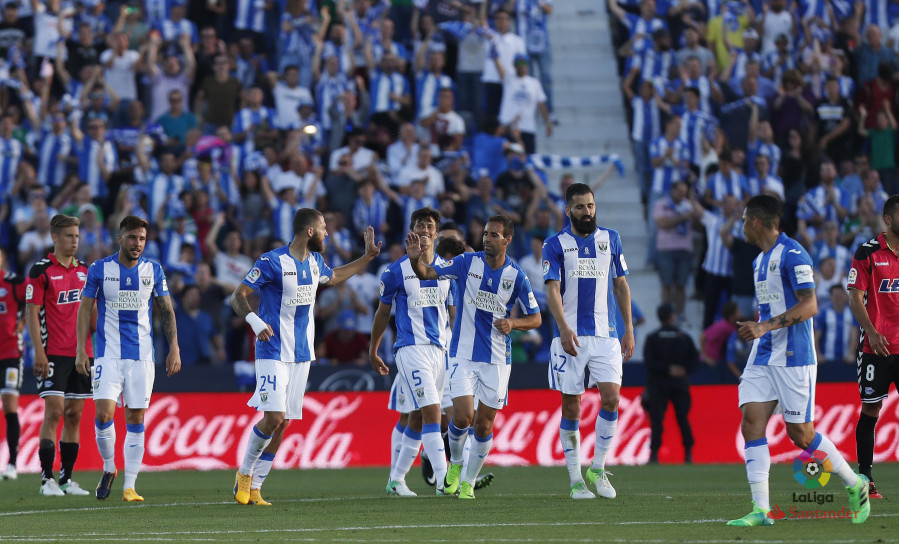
[(64, 380), (12, 376), (875, 374)]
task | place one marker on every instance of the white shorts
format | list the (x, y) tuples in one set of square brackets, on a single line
[(280, 387), (128, 379), (792, 386), (399, 399), (487, 383), (423, 370), (601, 356)]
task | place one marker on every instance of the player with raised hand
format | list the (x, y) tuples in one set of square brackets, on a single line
[(423, 310), (782, 366), (488, 285), (874, 300), (52, 301), (12, 302), (124, 286), (287, 280), (585, 275)]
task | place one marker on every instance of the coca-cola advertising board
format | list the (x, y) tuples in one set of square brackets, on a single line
[(208, 431)]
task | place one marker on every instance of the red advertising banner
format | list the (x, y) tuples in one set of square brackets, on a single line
[(205, 431)]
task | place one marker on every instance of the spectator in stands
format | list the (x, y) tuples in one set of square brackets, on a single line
[(836, 330), (523, 97), (693, 48), (872, 58), (714, 337), (289, 94), (533, 27), (218, 97), (718, 261), (639, 27), (882, 143), (834, 122), (345, 345), (444, 121), (34, 244), (205, 345), (667, 156), (674, 216), (171, 76), (504, 46), (645, 128)]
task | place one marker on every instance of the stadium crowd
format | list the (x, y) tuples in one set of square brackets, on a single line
[(215, 121), (732, 99)]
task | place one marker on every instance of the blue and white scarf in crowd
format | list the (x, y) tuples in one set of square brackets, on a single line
[(555, 162)]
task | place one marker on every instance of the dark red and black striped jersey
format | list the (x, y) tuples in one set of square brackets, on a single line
[(57, 290), (12, 302), (875, 270)]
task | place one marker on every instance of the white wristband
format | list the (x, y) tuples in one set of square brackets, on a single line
[(256, 322)]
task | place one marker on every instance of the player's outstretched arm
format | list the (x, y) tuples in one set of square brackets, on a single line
[(877, 341), (623, 297), (372, 250), (806, 308), (413, 250), (378, 326), (243, 309), (82, 329), (170, 329)]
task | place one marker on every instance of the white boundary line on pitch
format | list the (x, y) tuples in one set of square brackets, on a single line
[(617, 540)]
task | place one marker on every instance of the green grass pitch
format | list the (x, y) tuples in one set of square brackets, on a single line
[(655, 504)]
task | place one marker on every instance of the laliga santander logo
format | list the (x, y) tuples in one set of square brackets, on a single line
[(812, 469)]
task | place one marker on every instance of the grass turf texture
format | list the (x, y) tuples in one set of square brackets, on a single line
[(655, 504)]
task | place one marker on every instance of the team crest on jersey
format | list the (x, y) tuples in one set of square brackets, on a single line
[(145, 280), (254, 275), (313, 268), (602, 247), (507, 284), (304, 273), (489, 282), (546, 267), (263, 397), (82, 276), (773, 266), (420, 393), (127, 281), (586, 251)]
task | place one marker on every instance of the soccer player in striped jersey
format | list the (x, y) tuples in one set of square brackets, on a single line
[(422, 315), (488, 285), (125, 285), (782, 366), (286, 280), (585, 275)]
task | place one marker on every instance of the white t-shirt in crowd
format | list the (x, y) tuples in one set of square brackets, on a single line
[(287, 101), (507, 46), (121, 75), (520, 98), (433, 187)]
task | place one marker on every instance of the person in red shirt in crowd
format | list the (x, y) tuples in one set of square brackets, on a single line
[(52, 298), (344, 344), (713, 340), (874, 301), (12, 300)]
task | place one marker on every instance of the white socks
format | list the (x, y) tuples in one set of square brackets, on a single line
[(457, 439), (407, 455), (480, 447), (758, 464), (261, 469), (570, 436), (105, 433), (396, 442), (840, 467), (255, 446), (433, 443), (134, 453), (606, 423)]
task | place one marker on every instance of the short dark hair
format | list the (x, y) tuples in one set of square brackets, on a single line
[(305, 218), (725, 156), (450, 225), (449, 247), (890, 205), (766, 208), (61, 221), (576, 189), (664, 312), (508, 226), (424, 213), (693, 91), (132, 222)]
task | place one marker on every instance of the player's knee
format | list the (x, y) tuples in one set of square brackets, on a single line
[(404, 419), (872, 409), (271, 422), (52, 414), (751, 430), (610, 402), (571, 407), (73, 414), (483, 428)]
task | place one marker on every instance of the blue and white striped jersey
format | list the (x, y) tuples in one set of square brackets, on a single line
[(585, 267), (646, 120), (172, 31), (161, 189), (721, 186), (10, 157), (421, 306), (836, 332), (484, 295), (53, 151), (287, 290), (772, 151), (693, 129), (125, 306), (786, 268), (246, 119), (427, 89), (89, 172), (663, 177), (718, 258), (382, 86), (250, 15)]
